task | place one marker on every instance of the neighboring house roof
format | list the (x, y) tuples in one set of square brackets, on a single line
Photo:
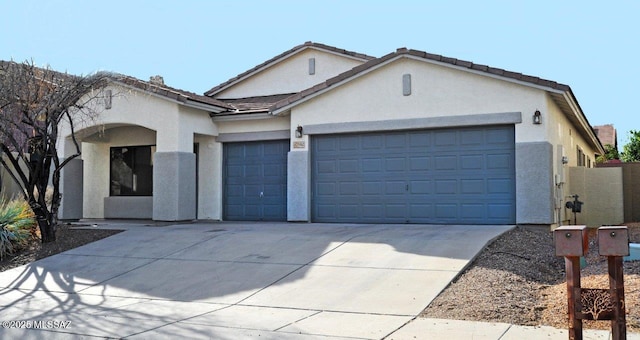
[(182, 96), (560, 93), (284, 55)]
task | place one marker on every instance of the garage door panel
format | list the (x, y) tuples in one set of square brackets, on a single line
[(500, 211), (472, 186), (326, 188), (472, 162), (446, 162), (349, 166), (446, 187), (472, 211), (446, 211), (372, 211), (419, 163), (445, 138), (372, 188), (499, 136), (499, 161), (349, 211), (255, 180), (395, 164), (372, 142), (420, 187), (349, 188), (395, 188), (464, 175), (472, 137), (396, 211), (372, 165), (349, 143), (500, 186)]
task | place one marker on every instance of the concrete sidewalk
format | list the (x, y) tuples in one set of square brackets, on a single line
[(250, 280)]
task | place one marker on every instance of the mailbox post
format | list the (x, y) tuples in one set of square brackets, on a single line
[(614, 244), (572, 242), (594, 304)]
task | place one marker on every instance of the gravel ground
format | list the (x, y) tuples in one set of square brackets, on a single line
[(66, 238), (518, 279)]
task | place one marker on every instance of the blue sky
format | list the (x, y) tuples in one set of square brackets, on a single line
[(591, 46)]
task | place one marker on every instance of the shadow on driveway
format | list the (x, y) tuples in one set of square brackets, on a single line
[(273, 280)]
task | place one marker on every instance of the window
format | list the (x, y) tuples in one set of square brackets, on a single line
[(580, 157), (132, 171)]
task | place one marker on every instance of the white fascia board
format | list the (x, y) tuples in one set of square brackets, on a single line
[(203, 106)]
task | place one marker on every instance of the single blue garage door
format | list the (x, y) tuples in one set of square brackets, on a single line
[(255, 181), (443, 176)]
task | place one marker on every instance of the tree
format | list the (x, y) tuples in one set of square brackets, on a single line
[(610, 153), (631, 150), (34, 102)]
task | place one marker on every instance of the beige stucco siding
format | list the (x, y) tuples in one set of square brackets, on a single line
[(138, 118), (254, 125), (292, 75), (436, 91)]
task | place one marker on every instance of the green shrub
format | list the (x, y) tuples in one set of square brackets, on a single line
[(17, 224)]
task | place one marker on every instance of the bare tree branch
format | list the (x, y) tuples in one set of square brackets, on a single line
[(34, 102)]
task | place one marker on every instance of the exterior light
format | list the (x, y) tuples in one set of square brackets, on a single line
[(537, 117), (299, 132)]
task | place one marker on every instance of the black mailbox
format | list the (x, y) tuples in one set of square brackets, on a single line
[(575, 206)]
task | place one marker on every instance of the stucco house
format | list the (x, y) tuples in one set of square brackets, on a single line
[(321, 134)]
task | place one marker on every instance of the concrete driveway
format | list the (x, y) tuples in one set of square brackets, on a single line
[(239, 280)]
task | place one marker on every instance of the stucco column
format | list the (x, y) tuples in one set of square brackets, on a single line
[(534, 183), (71, 187), (174, 186), (298, 186)]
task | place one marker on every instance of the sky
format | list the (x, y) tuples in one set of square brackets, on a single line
[(592, 46)]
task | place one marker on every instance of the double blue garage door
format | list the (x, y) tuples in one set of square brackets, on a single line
[(444, 176), (448, 176)]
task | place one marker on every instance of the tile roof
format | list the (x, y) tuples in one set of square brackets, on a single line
[(424, 55), (170, 92), (255, 104), (307, 44)]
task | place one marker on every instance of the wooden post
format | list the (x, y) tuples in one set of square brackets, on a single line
[(572, 264), (616, 286)]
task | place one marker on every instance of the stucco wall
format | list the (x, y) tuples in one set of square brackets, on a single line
[(254, 125), (292, 75), (436, 91), (9, 188), (439, 92), (601, 190), (209, 177), (140, 118), (566, 139)]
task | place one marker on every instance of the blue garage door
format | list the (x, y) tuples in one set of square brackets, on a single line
[(444, 176), (255, 181)]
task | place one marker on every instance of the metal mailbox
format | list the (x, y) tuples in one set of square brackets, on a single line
[(571, 240), (613, 241)]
